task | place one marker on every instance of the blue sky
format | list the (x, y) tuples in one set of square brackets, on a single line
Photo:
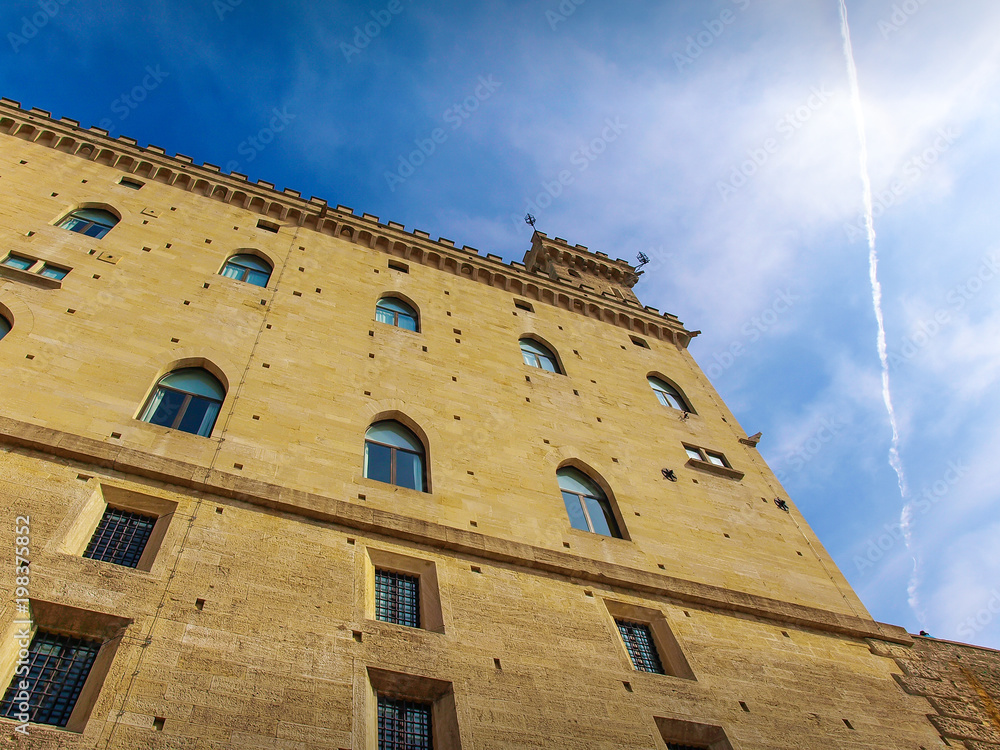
[(717, 137)]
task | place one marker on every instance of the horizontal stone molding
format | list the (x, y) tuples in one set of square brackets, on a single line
[(459, 541)]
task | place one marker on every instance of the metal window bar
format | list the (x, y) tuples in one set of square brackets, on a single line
[(397, 598), (58, 666), (120, 537), (641, 649), (404, 725)]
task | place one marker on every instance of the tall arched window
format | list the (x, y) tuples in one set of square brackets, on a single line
[(538, 355), (93, 222), (187, 400), (588, 507), (393, 454), (249, 268), (667, 394), (395, 312), (4, 326)]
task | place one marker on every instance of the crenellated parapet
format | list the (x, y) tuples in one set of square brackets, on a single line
[(553, 272)]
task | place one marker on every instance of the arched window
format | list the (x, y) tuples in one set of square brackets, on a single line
[(393, 454), (187, 400), (93, 222), (249, 268), (667, 394), (4, 326), (588, 507), (537, 355), (395, 312)]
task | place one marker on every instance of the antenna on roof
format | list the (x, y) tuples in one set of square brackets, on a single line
[(643, 260)]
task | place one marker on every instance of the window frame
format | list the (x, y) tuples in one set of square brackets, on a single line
[(88, 223), (604, 501), (397, 596), (393, 458), (107, 538), (552, 357), (149, 409), (705, 462), (644, 655), (247, 270), (414, 316), (667, 391)]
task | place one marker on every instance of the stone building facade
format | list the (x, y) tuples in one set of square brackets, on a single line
[(277, 475)]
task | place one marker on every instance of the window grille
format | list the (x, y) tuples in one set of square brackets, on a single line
[(404, 725), (120, 537), (58, 666), (397, 598), (639, 643)]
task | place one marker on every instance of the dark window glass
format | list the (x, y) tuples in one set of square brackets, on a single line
[(16, 261), (667, 394), (641, 649), (404, 725), (249, 268), (58, 666), (52, 272), (120, 537), (93, 222), (393, 454), (4, 326), (187, 400), (537, 355), (397, 598), (587, 506), (378, 462), (395, 312)]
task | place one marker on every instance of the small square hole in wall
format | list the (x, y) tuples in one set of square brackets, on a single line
[(206, 285), (187, 302), (116, 435), (296, 294), (356, 634), (560, 328), (744, 707), (368, 393), (91, 252), (301, 268), (144, 221), (576, 392), (446, 291), (566, 545), (263, 302), (686, 613), (158, 722), (544, 440), (448, 313), (55, 194), (266, 366), (627, 686), (175, 341), (208, 242), (239, 467), (362, 497), (148, 249), (623, 346), (473, 524), (30, 234), (458, 417), (454, 379), (848, 724), (599, 419), (350, 540), (458, 341), (173, 208), (527, 399), (84, 182), (84, 477), (727, 536), (29, 356), (371, 355), (496, 664), (71, 311), (785, 633), (661, 566), (268, 326), (423, 348), (375, 270), (199, 604), (476, 569), (219, 510), (614, 460), (456, 331), (588, 592), (638, 513), (318, 290), (256, 417), (167, 246), (527, 379), (235, 227), (798, 553), (23, 161)]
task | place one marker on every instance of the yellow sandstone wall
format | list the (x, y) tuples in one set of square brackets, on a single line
[(252, 626)]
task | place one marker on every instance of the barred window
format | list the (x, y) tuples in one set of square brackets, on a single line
[(120, 537), (397, 598), (404, 725), (58, 666), (638, 639)]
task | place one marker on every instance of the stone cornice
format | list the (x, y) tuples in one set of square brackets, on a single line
[(329, 510), (289, 208)]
